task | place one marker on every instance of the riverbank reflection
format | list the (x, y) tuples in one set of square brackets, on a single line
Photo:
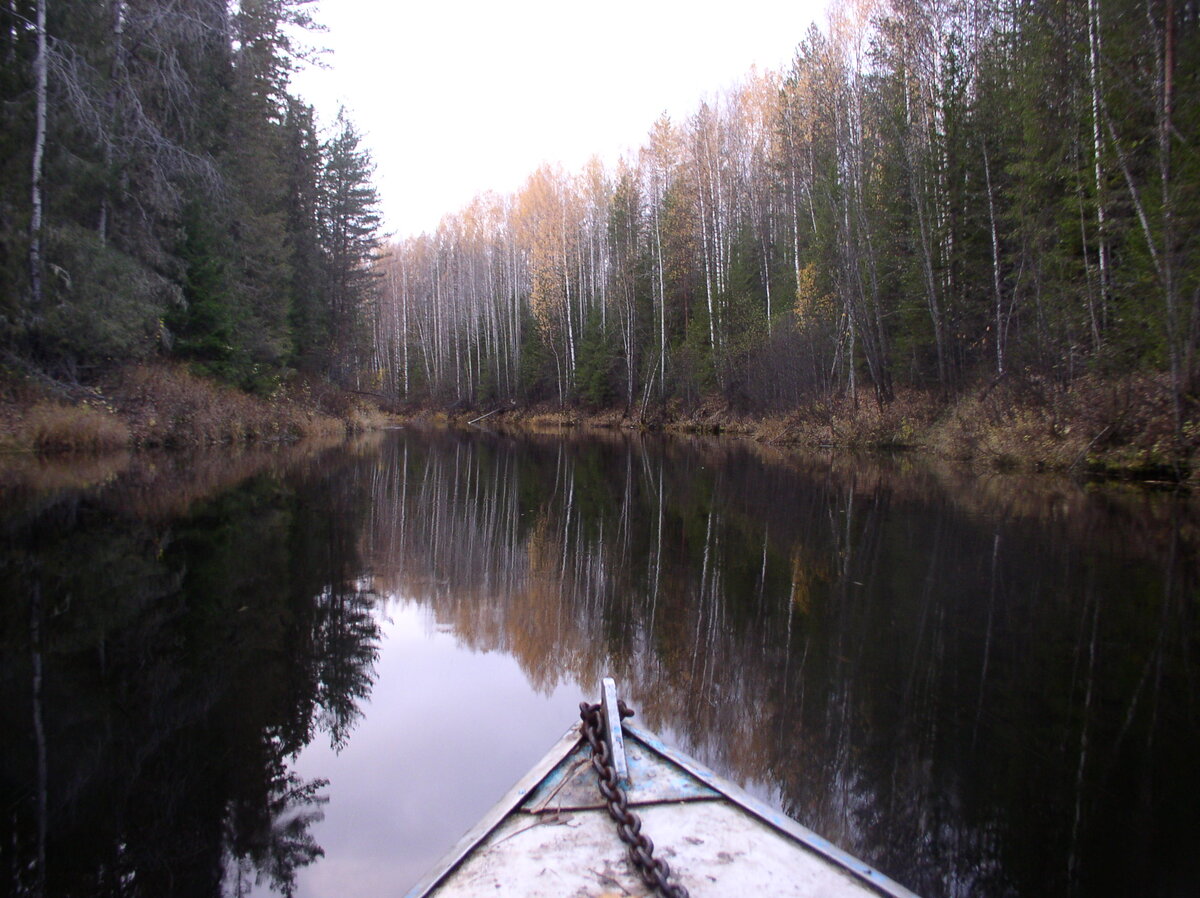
[(302, 669), (973, 683)]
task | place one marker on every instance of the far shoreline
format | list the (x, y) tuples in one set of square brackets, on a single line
[(1092, 428)]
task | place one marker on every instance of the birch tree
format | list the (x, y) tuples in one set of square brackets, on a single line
[(658, 169), (546, 225), (37, 189)]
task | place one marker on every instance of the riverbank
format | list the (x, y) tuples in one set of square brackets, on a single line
[(1112, 428), (1119, 429), (166, 406)]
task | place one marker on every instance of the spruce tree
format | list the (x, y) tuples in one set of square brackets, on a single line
[(349, 222)]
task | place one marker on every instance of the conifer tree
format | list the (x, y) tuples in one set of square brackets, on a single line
[(349, 221)]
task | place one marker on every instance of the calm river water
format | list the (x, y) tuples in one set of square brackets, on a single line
[(314, 670)]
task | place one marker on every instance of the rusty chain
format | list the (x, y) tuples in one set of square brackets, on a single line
[(655, 872)]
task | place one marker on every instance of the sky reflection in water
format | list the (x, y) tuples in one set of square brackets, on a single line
[(413, 778)]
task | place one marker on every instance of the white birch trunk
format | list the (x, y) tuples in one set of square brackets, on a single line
[(998, 295), (37, 190), (662, 297), (404, 320), (1097, 149)]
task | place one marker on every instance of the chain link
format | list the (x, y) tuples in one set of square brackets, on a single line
[(655, 872)]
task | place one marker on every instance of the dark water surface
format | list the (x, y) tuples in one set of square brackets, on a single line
[(315, 670)]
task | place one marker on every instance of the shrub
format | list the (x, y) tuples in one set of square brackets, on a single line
[(55, 427)]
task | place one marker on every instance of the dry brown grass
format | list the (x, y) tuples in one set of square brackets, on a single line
[(1124, 425), (363, 418), (51, 426), (1112, 426), (168, 406), (609, 418), (982, 428), (553, 420), (164, 405), (850, 423)]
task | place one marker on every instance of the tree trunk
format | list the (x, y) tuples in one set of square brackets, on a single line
[(1181, 348), (1097, 146), (115, 73), (998, 295), (37, 190), (662, 299)]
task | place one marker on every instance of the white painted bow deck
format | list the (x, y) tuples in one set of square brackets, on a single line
[(552, 836)]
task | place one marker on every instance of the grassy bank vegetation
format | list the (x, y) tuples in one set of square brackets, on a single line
[(1119, 428), (165, 405)]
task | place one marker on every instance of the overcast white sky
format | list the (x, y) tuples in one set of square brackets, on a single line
[(457, 97)]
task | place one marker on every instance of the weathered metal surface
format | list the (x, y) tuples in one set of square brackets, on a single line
[(571, 785), (611, 715), (654, 870), (713, 847), (776, 819), (552, 836)]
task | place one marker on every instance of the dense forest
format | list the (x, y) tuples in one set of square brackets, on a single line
[(163, 194), (936, 194)]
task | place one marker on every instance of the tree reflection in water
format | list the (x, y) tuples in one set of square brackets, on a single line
[(980, 685), (176, 652)]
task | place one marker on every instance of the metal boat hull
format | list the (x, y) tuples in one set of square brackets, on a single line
[(552, 836)]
